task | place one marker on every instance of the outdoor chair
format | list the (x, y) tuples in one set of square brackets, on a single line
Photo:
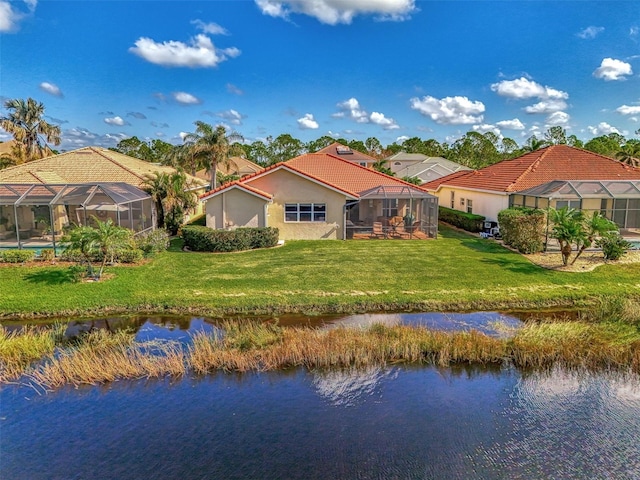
[(378, 231)]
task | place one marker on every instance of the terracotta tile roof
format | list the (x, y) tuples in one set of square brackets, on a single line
[(86, 165), (236, 184), (347, 177), (558, 162), (342, 174), (342, 151)]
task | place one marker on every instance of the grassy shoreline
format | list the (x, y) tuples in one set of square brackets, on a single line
[(606, 338), (456, 272)]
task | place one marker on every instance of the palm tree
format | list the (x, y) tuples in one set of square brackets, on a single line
[(534, 143), (629, 154), (212, 147), (173, 195), (156, 185), (27, 126), (108, 238)]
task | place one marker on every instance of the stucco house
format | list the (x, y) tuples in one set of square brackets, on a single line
[(319, 195), (238, 166), (426, 169), (554, 176), (53, 192), (347, 153)]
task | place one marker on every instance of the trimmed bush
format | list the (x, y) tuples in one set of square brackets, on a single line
[(523, 229), (17, 256), (129, 255), (613, 246), (204, 239), (152, 242), (47, 254), (467, 221)]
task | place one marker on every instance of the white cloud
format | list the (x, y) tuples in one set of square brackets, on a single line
[(514, 124), (186, 98), (558, 119), (307, 122), (386, 123), (117, 121), (547, 106), (232, 116), (333, 12), (634, 31), (590, 32), (523, 88), (352, 109), (10, 17), (628, 110), (612, 69), (603, 128), (200, 53), (401, 139), (449, 110), (210, 28), (51, 89), (231, 88), (485, 127)]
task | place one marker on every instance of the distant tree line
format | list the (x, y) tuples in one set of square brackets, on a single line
[(210, 147)]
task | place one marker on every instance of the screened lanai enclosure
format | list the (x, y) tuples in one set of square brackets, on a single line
[(617, 200), (388, 212), (38, 215)]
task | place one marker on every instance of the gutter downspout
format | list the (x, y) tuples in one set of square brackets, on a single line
[(546, 233)]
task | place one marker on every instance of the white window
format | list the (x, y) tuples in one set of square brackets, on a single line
[(462, 202), (390, 207), (453, 199), (575, 204), (363, 164), (305, 212), (469, 205)]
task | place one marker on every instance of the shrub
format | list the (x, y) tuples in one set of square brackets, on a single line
[(47, 254), (203, 239), (467, 221), (17, 256), (523, 229), (613, 246), (153, 242), (129, 255)]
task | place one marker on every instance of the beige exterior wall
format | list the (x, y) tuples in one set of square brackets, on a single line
[(288, 187), (484, 203), (241, 209)]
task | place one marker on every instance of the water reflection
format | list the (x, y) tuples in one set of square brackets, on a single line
[(180, 328), (398, 422)]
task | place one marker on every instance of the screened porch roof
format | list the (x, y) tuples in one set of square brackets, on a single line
[(70, 194), (576, 189), (394, 191)]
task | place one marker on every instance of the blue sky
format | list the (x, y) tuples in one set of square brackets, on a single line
[(108, 70)]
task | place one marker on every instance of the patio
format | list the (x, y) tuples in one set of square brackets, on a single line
[(38, 215), (392, 212)]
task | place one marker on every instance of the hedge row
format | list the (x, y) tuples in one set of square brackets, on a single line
[(204, 239), (523, 229), (17, 256), (467, 221)]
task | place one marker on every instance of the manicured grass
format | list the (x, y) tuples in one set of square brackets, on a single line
[(454, 272)]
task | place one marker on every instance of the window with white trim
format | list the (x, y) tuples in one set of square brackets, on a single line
[(390, 207), (305, 212), (469, 205)]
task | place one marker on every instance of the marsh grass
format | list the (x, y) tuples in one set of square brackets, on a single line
[(243, 346), (101, 357), (20, 348)]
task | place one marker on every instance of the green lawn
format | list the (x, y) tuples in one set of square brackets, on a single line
[(455, 272)]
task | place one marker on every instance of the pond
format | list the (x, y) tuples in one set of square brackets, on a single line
[(376, 423)]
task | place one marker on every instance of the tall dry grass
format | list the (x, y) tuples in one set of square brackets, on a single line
[(102, 357), (242, 346), (20, 348)]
